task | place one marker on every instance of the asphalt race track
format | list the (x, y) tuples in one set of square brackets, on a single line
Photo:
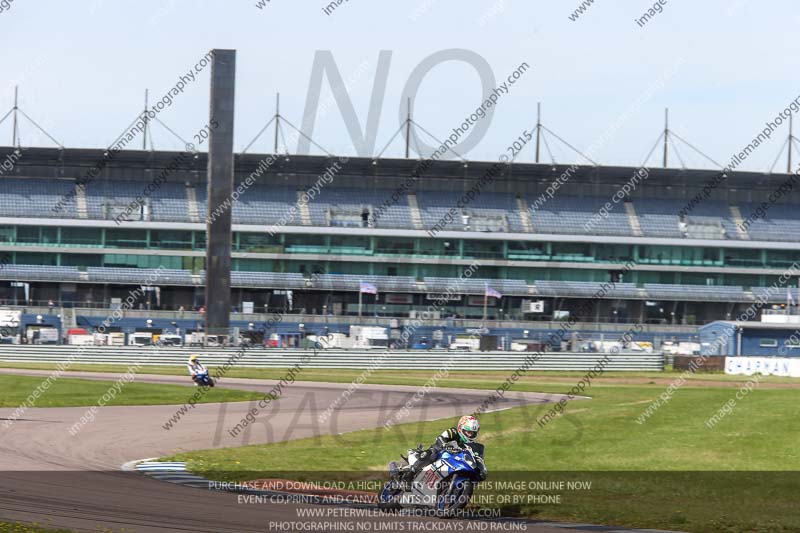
[(75, 482)]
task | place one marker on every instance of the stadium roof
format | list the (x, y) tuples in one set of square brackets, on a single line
[(74, 162)]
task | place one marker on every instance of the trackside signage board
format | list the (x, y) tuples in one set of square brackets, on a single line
[(10, 318), (768, 366)]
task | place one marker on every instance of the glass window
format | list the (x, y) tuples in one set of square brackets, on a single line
[(486, 249), (81, 236), (200, 240), (28, 234), (33, 258), (614, 252), (572, 250), (142, 261), (388, 245), (439, 247), (350, 244), (7, 233), (526, 249), (170, 239), (768, 343), (81, 260), (126, 238), (259, 242), (49, 235)]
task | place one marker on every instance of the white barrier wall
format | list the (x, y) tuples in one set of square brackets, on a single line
[(767, 366), (360, 359)]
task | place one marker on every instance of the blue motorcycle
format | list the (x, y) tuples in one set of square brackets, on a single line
[(203, 379), (444, 486)]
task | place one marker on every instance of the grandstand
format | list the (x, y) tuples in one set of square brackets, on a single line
[(684, 270)]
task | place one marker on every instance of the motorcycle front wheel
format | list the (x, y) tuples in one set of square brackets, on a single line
[(388, 495), (455, 497)]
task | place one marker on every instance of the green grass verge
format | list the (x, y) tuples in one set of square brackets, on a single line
[(663, 473), (18, 527), (72, 392)]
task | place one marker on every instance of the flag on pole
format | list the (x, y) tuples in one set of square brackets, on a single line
[(367, 288), (491, 293)]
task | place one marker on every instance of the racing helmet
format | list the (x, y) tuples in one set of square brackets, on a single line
[(468, 428), (193, 358)]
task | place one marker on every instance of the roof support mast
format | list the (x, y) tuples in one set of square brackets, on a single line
[(408, 125), (144, 115), (791, 139), (15, 130), (538, 127), (277, 120), (666, 135)]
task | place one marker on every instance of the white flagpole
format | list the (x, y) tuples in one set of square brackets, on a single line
[(485, 300), (359, 300)]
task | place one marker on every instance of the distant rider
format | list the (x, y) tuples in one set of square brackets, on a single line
[(465, 432), (195, 367)]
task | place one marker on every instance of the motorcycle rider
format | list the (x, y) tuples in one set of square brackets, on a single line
[(195, 367), (465, 432)]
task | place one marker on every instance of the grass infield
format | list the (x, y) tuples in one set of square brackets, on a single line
[(72, 392), (669, 472)]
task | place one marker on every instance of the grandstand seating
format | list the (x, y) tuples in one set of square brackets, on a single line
[(701, 292), (488, 211), (337, 206), (36, 198), (349, 282), (773, 295), (570, 214), (344, 207), (40, 273), (658, 218), (781, 222), (430, 285), (276, 280), (153, 276), (169, 203), (586, 289), (510, 287), (708, 220), (259, 204)]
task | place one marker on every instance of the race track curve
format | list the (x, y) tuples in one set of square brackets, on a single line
[(53, 478)]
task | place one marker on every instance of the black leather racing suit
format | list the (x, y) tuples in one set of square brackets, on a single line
[(448, 436)]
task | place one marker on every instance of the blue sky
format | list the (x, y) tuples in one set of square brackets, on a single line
[(83, 66)]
